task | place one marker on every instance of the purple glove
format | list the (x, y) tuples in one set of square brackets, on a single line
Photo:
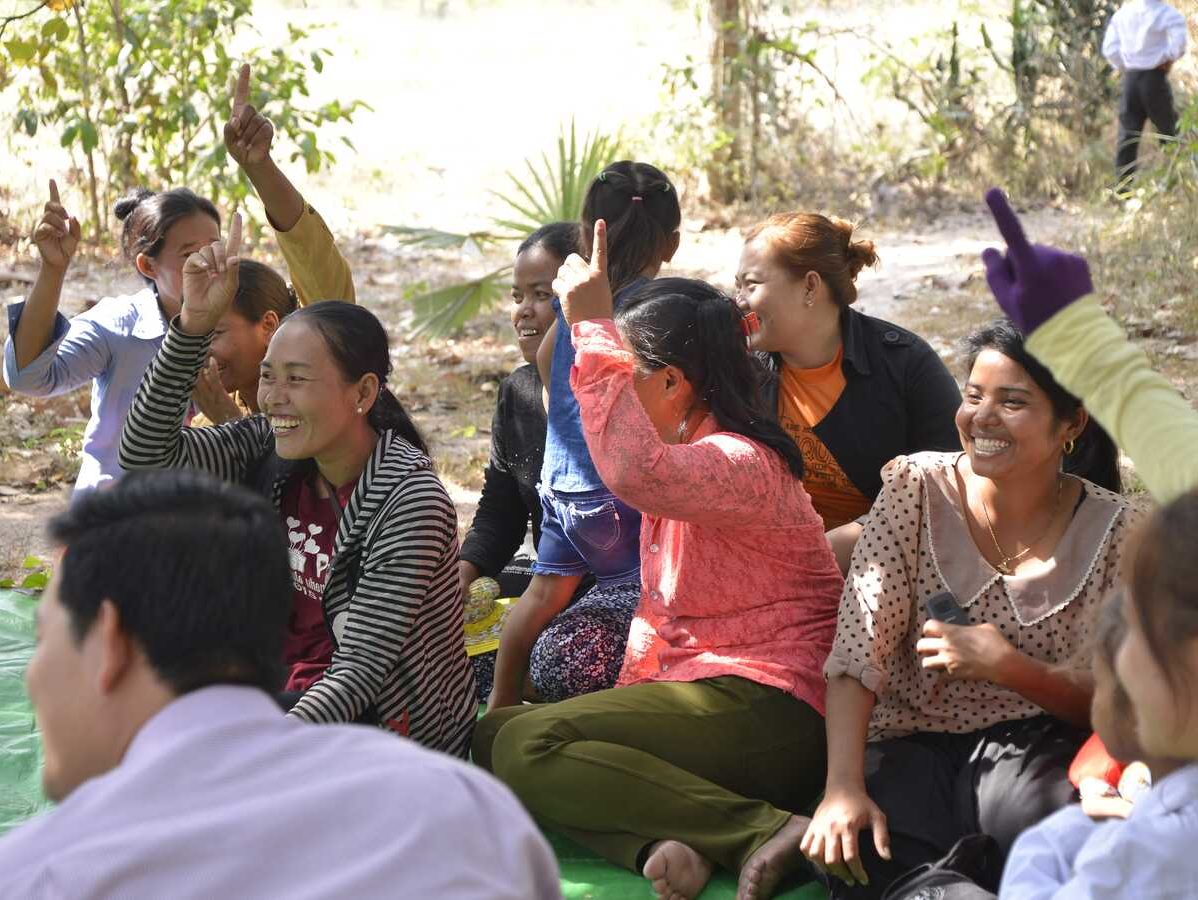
[(1031, 282)]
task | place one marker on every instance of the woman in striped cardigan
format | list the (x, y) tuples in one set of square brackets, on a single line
[(376, 633)]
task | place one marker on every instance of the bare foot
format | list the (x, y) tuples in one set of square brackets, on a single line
[(676, 871), (774, 860)]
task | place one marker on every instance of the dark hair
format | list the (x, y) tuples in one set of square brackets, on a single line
[(197, 569), (1164, 582), (559, 238), (689, 324), (149, 216), (260, 289), (1095, 456), (809, 242), (357, 342), (640, 207), (1110, 628)]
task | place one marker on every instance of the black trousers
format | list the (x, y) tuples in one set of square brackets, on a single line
[(1146, 95), (938, 788)]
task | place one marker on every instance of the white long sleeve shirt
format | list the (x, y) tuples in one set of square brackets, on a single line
[(1144, 34)]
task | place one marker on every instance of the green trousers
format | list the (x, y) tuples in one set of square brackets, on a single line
[(717, 764)]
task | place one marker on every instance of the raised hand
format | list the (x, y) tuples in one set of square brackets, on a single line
[(582, 286), (210, 281), (1031, 282), (212, 398), (248, 133), (57, 234)]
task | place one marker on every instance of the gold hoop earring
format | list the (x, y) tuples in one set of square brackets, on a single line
[(1070, 446)]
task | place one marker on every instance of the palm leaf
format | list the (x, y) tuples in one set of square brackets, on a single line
[(447, 309), (544, 190), (435, 239)]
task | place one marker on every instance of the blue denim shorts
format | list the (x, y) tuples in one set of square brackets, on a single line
[(589, 531)]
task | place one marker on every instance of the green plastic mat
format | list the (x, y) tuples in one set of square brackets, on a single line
[(587, 877), (20, 749)]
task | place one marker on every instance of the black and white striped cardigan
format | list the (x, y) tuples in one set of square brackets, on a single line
[(392, 598)]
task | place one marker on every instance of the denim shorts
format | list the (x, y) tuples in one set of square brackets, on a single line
[(589, 531)]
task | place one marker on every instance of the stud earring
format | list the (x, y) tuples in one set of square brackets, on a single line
[(359, 410)]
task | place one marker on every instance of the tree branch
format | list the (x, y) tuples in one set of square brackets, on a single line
[(5, 21)]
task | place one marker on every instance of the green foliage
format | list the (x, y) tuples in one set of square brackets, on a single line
[(37, 578), (551, 189), (554, 191), (737, 115), (443, 311), (139, 92)]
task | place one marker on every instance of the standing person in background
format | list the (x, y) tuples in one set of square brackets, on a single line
[(1143, 40)]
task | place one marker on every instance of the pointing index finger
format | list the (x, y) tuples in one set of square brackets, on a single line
[(54, 192), (1007, 222), (233, 244), (599, 247), (241, 94)]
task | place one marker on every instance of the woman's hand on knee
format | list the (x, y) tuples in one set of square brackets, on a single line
[(831, 840)]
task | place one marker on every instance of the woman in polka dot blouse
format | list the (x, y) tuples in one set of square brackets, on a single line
[(938, 732)]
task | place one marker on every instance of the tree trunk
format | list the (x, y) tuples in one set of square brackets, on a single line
[(725, 170)]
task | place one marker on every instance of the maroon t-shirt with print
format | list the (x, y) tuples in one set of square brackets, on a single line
[(311, 532)]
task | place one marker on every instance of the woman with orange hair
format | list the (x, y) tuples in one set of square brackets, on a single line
[(853, 391)]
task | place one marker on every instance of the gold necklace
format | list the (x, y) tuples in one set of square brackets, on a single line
[(1004, 565)]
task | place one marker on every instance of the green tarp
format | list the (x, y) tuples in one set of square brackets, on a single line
[(20, 750), (584, 875)]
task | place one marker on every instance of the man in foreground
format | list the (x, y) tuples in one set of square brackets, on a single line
[(159, 642)]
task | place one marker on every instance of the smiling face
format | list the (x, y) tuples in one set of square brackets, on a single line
[(766, 288), (1006, 421), (184, 238), (239, 346), (532, 298), (310, 404)]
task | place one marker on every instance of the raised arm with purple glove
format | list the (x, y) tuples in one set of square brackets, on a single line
[(1031, 282)]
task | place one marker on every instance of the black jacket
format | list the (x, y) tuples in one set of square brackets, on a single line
[(509, 498), (898, 398)]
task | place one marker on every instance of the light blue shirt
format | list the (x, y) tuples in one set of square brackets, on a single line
[(221, 795), (1149, 856), (110, 345), (567, 465)]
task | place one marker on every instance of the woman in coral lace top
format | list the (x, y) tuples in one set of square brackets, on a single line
[(713, 732)]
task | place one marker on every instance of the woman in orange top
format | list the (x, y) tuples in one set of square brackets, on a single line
[(737, 607), (851, 390)]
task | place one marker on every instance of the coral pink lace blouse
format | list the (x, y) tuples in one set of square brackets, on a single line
[(736, 575)]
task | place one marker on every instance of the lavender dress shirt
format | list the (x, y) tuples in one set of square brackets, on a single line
[(221, 795), (110, 345)]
